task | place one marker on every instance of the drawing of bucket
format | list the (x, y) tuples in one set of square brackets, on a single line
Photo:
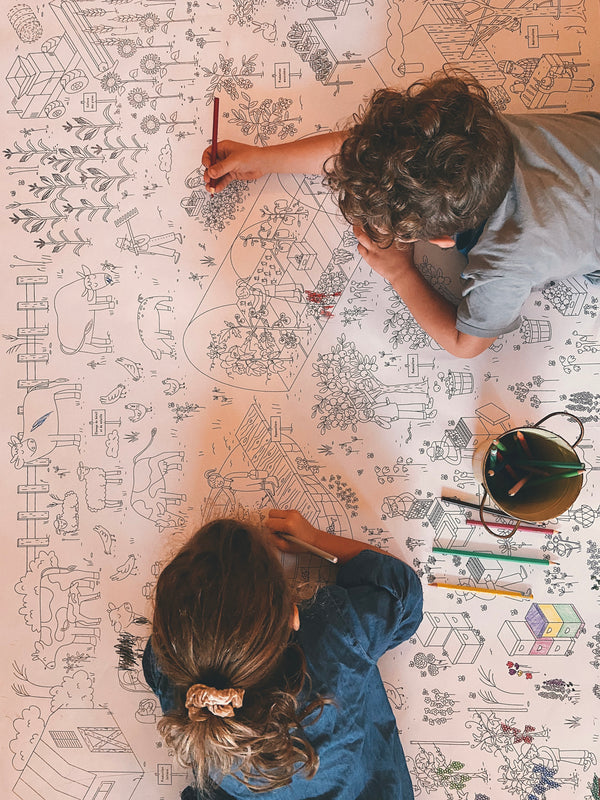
[(459, 383), (540, 498), (534, 331)]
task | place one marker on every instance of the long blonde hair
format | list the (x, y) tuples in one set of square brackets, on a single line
[(222, 616)]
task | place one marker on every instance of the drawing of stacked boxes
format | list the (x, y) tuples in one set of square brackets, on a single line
[(549, 629), (453, 633)]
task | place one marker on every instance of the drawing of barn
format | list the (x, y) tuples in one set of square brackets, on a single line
[(81, 754)]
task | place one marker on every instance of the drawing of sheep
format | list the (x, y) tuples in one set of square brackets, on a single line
[(148, 319), (96, 480), (67, 519)]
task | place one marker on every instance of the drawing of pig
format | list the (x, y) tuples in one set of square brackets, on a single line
[(148, 318)]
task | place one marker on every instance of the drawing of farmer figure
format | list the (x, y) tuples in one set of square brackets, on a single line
[(388, 411), (151, 245), (254, 480)]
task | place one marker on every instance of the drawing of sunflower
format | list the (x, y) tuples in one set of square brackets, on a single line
[(138, 97), (126, 48), (149, 22), (150, 64), (150, 124), (111, 82)]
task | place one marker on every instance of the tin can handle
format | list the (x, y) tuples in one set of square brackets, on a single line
[(565, 414), (489, 530)]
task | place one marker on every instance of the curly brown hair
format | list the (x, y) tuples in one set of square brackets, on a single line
[(222, 617), (430, 161)]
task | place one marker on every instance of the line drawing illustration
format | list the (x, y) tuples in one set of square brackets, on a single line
[(171, 356)]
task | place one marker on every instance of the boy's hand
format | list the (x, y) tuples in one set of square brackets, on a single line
[(280, 521), (389, 262), (235, 161)]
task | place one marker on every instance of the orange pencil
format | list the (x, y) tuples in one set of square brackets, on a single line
[(215, 137)]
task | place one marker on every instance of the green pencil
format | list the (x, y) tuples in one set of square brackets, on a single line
[(520, 559), (538, 462)]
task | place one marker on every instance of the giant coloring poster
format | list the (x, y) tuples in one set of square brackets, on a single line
[(167, 356)]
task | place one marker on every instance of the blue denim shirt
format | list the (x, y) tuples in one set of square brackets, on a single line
[(375, 604)]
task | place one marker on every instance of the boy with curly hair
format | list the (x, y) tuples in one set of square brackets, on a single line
[(516, 194)]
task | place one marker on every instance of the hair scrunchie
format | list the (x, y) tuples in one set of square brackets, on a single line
[(220, 702)]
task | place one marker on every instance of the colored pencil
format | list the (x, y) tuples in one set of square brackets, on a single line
[(465, 504), (528, 528), (310, 547), (477, 589), (522, 441), (470, 553), (528, 468), (511, 472), (518, 486), (540, 462), (499, 445), (557, 477), (215, 138)]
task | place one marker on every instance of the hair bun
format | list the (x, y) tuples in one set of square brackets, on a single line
[(220, 702)]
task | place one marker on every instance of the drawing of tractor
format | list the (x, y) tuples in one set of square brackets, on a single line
[(63, 64)]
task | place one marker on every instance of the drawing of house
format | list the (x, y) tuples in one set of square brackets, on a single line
[(82, 754)]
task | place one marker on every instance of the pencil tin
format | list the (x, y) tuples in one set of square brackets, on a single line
[(516, 460)]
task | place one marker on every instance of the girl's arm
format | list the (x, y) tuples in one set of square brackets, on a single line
[(293, 522), (239, 161)]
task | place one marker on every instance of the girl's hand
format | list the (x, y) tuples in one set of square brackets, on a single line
[(292, 522), (389, 262), (235, 161)]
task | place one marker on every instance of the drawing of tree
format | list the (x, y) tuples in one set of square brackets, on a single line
[(264, 119), (351, 390), (225, 77), (432, 771)]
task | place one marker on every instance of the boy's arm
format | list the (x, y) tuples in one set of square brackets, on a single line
[(239, 161), (435, 314)]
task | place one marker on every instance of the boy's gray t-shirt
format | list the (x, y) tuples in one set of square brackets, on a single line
[(547, 227)]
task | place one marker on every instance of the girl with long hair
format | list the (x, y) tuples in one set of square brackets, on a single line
[(261, 696)]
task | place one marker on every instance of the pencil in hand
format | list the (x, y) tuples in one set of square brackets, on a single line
[(214, 142)]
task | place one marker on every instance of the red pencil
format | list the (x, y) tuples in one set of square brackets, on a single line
[(509, 525), (215, 136)]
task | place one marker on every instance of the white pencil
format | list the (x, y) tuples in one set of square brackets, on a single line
[(310, 547)]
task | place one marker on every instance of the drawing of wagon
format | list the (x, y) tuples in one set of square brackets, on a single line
[(63, 64)]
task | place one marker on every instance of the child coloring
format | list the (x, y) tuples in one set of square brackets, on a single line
[(517, 194), (260, 695)]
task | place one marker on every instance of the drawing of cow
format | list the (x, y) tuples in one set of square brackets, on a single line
[(149, 496), (41, 423), (96, 481), (148, 319), (76, 305), (62, 592)]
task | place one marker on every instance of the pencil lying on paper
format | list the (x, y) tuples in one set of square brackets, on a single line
[(310, 547), (528, 528), (478, 589), (215, 137), (465, 504), (501, 556)]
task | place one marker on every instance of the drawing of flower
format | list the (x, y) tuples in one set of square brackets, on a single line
[(149, 22), (111, 82), (138, 97), (150, 124), (151, 64), (126, 48)]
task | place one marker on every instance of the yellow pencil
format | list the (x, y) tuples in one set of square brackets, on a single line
[(506, 592)]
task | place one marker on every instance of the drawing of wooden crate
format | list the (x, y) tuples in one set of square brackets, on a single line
[(554, 620), (535, 330), (462, 646), (566, 296), (518, 639)]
